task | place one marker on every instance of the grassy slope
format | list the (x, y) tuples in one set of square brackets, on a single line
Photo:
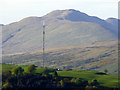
[(97, 56), (6, 67), (104, 80), (58, 33)]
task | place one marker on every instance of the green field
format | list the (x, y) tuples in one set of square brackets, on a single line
[(105, 80), (110, 81)]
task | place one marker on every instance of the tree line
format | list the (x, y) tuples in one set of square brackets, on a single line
[(17, 78)]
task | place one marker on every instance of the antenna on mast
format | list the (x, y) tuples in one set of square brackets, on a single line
[(43, 43)]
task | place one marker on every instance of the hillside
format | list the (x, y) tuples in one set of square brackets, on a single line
[(96, 56), (104, 80), (63, 28)]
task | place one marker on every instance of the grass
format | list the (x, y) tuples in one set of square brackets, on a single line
[(6, 67), (110, 81)]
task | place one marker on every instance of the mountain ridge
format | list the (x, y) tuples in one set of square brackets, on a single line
[(63, 27)]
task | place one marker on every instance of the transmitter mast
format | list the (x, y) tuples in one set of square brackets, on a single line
[(43, 43)]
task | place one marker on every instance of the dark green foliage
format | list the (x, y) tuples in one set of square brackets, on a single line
[(47, 79), (78, 81), (6, 73), (44, 80), (105, 70), (91, 87), (31, 68), (17, 71), (55, 73), (31, 81), (46, 70), (61, 83), (94, 83), (7, 85)]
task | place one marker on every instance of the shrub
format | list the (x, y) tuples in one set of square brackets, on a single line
[(44, 75), (17, 71), (105, 70), (46, 70), (7, 85), (6, 73), (94, 83), (66, 80), (62, 83), (55, 73), (78, 81), (31, 68), (72, 80)]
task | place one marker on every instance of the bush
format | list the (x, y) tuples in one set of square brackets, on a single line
[(78, 81), (105, 70), (17, 71), (6, 73), (55, 74), (31, 68), (7, 85), (44, 75), (72, 80), (66, 80), (94, 83), (46, 70), (62, 83)]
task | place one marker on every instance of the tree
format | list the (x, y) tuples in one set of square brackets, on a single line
[(7, 85), (78, 81), (17, 71), (55, 73), (6, 73), (94, 83), (31, 68), (62, 83), (45, 70), (105, 70)]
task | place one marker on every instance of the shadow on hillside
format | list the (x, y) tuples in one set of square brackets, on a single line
[(101, 73)]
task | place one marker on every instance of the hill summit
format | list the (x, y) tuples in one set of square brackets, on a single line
[(63, 28)]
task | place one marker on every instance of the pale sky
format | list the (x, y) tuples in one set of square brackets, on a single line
[(15, 10)]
